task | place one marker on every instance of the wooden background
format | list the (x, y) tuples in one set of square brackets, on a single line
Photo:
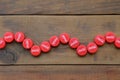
[(40, 19)]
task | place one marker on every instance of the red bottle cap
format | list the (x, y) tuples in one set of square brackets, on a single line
[(81, 50), (117, 42), (110, 37), (74, 43), (2, 43), (9, 37), (35, 50), (64, 38), (19, 37), (99, 40), (54, 41), (27, 43), (92, 48), (45, 46)]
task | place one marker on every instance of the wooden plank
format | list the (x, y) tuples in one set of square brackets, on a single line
[(40, 28), (60, 72), (59, 6)]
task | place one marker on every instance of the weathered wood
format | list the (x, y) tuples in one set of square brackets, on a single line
[(60, 72), (41, 28), (59, 6)]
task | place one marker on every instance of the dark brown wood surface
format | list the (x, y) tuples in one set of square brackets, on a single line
[(83, 19), (40, 28), (59, 6), (60, 72)]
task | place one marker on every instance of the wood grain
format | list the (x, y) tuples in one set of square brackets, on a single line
[(40, 28), (59, 6), (60, 72)]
